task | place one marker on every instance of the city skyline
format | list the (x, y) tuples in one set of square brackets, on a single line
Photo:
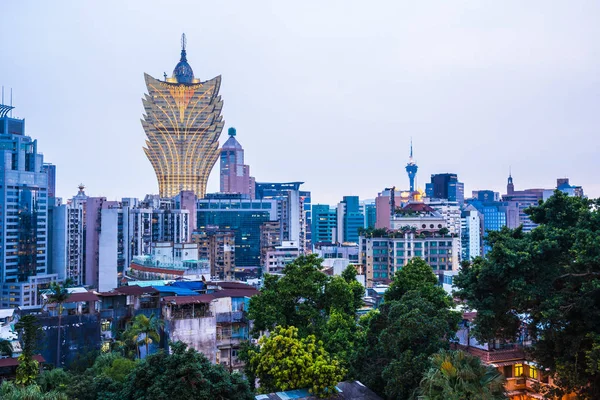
[(285, 90)]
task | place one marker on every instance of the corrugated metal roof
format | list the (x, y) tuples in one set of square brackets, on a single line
[(179, 300)]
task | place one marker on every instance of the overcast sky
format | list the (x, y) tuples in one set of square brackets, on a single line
[(325, 92)]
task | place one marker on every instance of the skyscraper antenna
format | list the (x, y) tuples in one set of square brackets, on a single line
[(183, 41), (11, 102), (411, 153)]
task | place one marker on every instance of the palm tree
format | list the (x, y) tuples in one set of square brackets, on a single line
[(456, 375), (6, 347), (144, 330), (59, 294)]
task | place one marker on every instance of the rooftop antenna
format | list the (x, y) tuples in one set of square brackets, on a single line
[(183, 41), (11, 102)]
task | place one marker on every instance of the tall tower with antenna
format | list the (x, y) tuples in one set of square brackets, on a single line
[(182, 120), (411, 169)]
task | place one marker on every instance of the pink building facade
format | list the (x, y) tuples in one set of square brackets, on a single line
[(235, 175)]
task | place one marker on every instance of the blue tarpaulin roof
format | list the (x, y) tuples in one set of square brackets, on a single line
[(192, 285), (177, 291)]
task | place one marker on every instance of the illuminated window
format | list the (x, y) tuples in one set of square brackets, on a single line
[(518, 370), (533, 372)]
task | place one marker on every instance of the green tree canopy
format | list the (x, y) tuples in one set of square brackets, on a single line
[(418, 275), (295, 299), (549, 280), (304, 297), (456, 375), (414, 322), (183, 375), (287, 362), (105, 379)]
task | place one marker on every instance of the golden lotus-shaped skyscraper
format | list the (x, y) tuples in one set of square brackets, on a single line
[(183, 123)]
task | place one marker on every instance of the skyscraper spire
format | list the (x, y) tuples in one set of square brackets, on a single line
[(510, 187), (411, 168)]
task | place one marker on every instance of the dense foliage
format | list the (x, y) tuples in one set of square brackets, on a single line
[(184, 374), (285, 362), (313, 303), (414, 322), (546, 280), (456, 375)]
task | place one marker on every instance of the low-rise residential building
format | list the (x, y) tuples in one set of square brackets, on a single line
[(277, 259), (525, 380)]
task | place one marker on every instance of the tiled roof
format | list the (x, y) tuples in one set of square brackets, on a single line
[(13, 362), (77, 297)]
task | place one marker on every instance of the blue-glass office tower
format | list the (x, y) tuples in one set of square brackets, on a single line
[(370, 215), (350, 218), (446, 186), (23, 216), (242, 216), (323, 223), (294, 210)]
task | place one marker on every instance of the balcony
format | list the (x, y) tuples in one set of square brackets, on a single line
[(493, 356), (230, 317)]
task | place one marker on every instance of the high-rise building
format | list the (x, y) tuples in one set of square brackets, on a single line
[(350, 218), (446, 186), (471, 233), (67, 247), (324, 222), (218, 247), (270, 237), (523, 199), (563, 185), (370, 215), (411, 169), (244, 217), (235, 175), (183, 123), (24, 226), (293, 210)]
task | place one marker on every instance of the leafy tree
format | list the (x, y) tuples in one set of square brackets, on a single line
[(418, 275), (105, 379), (456, 375), (286, 362), (56, 379), (6, 348), (549, 280), (184, 374), (414, 322), (10, 391), (144, 330), (28, 368), (58, 295), (295, 299), (340, 333)]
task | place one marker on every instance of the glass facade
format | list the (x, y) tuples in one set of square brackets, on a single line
[(244, 218), (23, 217)]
